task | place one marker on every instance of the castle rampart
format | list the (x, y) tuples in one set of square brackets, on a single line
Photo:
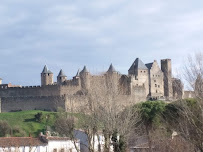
[(48, 103)]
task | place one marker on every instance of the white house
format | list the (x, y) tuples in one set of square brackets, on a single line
[(41, 144)]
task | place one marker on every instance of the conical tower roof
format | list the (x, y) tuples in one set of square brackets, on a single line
[(78, 73), (111, 69), (84, 70), (138, 64), (46, 71), (61, 74)]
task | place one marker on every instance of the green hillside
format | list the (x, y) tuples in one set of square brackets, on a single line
[(25, 120)]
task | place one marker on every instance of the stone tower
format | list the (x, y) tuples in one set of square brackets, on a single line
[(166, 68), (85, 78), (46, 77), (156, 83), (139, 75), (61, 77)]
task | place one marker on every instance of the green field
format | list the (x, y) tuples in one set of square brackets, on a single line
[(25, 120)]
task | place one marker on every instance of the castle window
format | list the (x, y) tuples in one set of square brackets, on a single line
[(156, 91), (141, 71), (154, 80), (158, 86), (153, 75), (48, 74), (155, 85)]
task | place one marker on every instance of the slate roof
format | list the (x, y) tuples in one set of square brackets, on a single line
[(84, 70), (149, 65), (61, 74), (78, 73), (46, 71), (20, 141), (111, 69), (138, 64)]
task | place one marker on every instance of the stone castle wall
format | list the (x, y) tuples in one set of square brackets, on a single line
[(49, 90), (48, 103)]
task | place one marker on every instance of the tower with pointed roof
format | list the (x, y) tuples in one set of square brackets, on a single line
[(111, 70), (61, 78), (139, 75), (85, 78), (46, 77)]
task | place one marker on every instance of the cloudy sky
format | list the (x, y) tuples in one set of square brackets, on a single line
[(69, 34)]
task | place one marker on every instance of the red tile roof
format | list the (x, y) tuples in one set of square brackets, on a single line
[(20, 141), (57, 138)]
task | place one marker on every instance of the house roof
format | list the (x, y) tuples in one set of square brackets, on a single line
[(61, 74), (138, 64), (46, 71), (111, 69), (57, 138), (20, 141)]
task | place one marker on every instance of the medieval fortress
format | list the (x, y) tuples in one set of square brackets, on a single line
[(143, 82)]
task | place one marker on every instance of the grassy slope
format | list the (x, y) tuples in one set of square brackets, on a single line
[(25, 120)]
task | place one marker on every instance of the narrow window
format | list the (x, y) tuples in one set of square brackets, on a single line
[(155, 85), (156, 91), (154, 80)]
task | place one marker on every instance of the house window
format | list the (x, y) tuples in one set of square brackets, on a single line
[(144, 71), (158, 86), (155, 85), (156, 91), (62, 150), (154, 80), (141, 71)]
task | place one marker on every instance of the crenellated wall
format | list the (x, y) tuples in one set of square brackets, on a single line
[(48, 90)]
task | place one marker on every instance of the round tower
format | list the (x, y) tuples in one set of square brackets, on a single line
[(46, 77), (85, 78), (61, 77)]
